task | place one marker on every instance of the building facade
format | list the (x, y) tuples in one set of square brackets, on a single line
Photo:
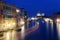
[(11, 20)]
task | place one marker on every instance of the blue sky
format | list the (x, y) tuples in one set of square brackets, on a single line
[(33, 6)]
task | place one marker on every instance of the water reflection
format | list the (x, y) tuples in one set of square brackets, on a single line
[(47, 31), (19, 35), (58, 27)]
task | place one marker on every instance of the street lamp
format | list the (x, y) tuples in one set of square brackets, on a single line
[(17, 10)]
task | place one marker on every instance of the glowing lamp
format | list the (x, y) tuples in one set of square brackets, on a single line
[(17, 10)]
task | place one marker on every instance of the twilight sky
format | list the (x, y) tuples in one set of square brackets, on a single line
[(33, 6)]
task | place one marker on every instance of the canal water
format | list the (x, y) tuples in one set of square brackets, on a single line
[(44, 32)]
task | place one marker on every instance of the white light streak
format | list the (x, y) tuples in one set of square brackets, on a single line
[(8, 35), (14, 37), (22, 32), (32, 29), (51, 21), (47, 22), (58, 28)]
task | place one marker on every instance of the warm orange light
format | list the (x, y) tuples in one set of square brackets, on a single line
[(9, 23), (57, 20)]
